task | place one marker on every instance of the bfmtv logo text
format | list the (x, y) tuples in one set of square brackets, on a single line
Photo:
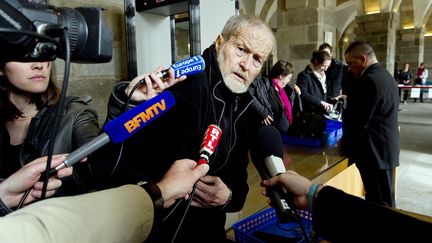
[(145, 116)]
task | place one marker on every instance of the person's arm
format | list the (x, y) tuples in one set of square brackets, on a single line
[(341, 217), (123, 214), (303, 82), (257, 106), (150, 86), (12, 188)]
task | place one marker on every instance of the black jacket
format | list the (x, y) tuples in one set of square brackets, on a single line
[(370, 120), (78, 125), (340, 217), (202, 99), (334, 77), (312, 92), (267, 102)]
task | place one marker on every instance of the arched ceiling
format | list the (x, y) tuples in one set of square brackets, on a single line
[(413, 13)]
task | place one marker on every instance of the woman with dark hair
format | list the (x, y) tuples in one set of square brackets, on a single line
[(271, 103), (28, 105), (312, 83)]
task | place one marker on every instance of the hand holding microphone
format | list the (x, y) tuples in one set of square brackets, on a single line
[(210, 191), (295, 184), (179, 180), (155, 82), (267, 156)]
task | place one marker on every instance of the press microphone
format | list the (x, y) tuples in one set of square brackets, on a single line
[(267, 153), (186, 67), (122, 127), (210, 141)]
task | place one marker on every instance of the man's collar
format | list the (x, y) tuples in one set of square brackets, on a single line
[(367, 68)]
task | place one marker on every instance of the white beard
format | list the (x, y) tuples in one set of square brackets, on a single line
[(233, 85)]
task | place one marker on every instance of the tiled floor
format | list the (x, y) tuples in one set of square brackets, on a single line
[(414, 180)]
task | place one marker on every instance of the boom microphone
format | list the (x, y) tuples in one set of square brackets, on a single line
[(267, 154), (210, 141), (122, 127)]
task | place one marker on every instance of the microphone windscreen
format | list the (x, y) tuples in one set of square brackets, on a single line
[(130, 122), (189, 66), (267, 142)]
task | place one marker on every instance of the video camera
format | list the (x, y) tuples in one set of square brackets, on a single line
[(31, 30)]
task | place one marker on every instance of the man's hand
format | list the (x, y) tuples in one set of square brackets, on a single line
[(210, 191), (298, 186), (179, 180), (153, 85), (12, 189)]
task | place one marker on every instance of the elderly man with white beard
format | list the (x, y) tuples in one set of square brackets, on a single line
[(216, 96)]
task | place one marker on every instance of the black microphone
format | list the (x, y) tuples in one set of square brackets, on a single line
[(267, 157)]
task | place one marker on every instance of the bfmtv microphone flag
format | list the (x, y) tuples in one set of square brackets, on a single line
[(122, 127), (135, 119)]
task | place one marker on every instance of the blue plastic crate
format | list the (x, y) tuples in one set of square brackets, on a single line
[(314, 142), (267, 222), (333, 125)]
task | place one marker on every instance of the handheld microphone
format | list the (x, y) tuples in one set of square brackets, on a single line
[(267, 154), (210, 141), (122, 127), (188, 66)]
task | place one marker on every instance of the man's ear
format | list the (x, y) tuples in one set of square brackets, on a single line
[(219, 42), (363, 60)]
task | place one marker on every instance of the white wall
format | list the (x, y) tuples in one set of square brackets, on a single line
[(153, 42), (213, 16)]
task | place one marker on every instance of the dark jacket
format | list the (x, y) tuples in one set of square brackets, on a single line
[(260, 89), (340, 217), (312, 92), (202, 99), (371, 135), (403, 76), (78, 125), (267, 102), (334, 77)]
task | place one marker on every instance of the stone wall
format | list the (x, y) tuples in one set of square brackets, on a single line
[(428, 54), (409, 47), (300, 29)]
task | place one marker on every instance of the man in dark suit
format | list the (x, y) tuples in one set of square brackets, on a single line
[(371, 135)]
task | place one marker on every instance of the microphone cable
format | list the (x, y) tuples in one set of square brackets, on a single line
[(184, 214), (298, 220), (126, 108), (59, 110)]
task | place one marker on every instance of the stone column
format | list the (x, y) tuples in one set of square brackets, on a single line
[(428, 54), (300, 29), (410, 47), (380, 30)]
